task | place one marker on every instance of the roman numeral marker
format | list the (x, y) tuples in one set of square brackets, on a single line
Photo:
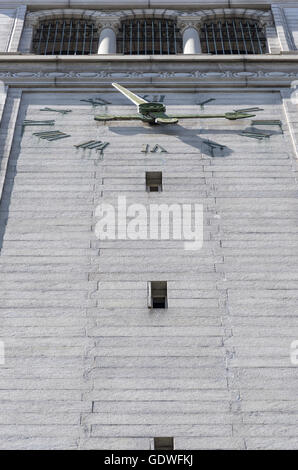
[(61, 111), (248, 110), (268, 122), (96, 101), (93, 145), (154, 98), (156, 148), (51, 135), (202, 104), (29, 122), (256, 135)]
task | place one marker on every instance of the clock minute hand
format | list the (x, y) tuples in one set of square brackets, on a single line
[(230, 116)]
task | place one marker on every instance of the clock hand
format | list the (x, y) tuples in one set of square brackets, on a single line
[(230, 116), (155, 113), (110, 117), (129, 94)]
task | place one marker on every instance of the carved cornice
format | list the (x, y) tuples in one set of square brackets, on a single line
[(195, 73), (196, 18), (101, 19)]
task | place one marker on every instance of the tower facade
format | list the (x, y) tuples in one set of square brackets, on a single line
[(148, 268)]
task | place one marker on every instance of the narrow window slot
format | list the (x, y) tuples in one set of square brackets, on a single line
[(163, 443), (154, 181), (157, 294)]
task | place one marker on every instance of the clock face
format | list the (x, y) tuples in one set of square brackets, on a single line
[(75, 161), (66, 120)]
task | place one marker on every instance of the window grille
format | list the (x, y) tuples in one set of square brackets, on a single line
[(149, 36), (233, 36), (66, 36)]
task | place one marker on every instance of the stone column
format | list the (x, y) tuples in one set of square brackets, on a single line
[(191, 40), (107, 41)]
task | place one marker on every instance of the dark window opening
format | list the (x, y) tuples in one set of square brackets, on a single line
[(159, 302), (66, 37), (154, 181), (158, 293), (233, 36), (149, 36), (163, 443)]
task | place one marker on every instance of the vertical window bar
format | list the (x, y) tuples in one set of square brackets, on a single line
[(229, 37), (153, 49), (55, 38), (138, 45), (145, 38), (243, 37), (258, 37), (62, 38), (207, 39), (214, 39), (69, 37), (168, 39), (48, 37), (77, 38), (250, 37), (91, 38), (175, 38), (221, 38), (130, 38), (124, 38), (236, 37), (160, 39), (84, 39), (40, 38)]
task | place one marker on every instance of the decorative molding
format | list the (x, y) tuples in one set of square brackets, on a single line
[(196, 73), (116, 16), (184, 25), (101, 19)]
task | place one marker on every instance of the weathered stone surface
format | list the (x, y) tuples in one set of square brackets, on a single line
[(87, 365)]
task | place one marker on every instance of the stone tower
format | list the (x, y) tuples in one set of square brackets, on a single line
[(131, 340)]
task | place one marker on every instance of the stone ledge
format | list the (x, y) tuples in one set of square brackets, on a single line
[(198, 58)]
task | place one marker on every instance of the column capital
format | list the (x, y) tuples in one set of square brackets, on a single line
[(184, 24), (108, 24)]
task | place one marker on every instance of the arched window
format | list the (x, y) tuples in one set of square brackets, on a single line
[(149, 36), (65, 36), (233, 36)]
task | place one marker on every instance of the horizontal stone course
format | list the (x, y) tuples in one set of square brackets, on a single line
[(88, 365)]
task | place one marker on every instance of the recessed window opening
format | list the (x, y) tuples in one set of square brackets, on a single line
[(163, 443), (154, 181), (142, 36), (157, 294), (67, 36), (233, 36)]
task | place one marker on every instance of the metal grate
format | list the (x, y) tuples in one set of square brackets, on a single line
[(149, 36), (67, 37), (233, 36)]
